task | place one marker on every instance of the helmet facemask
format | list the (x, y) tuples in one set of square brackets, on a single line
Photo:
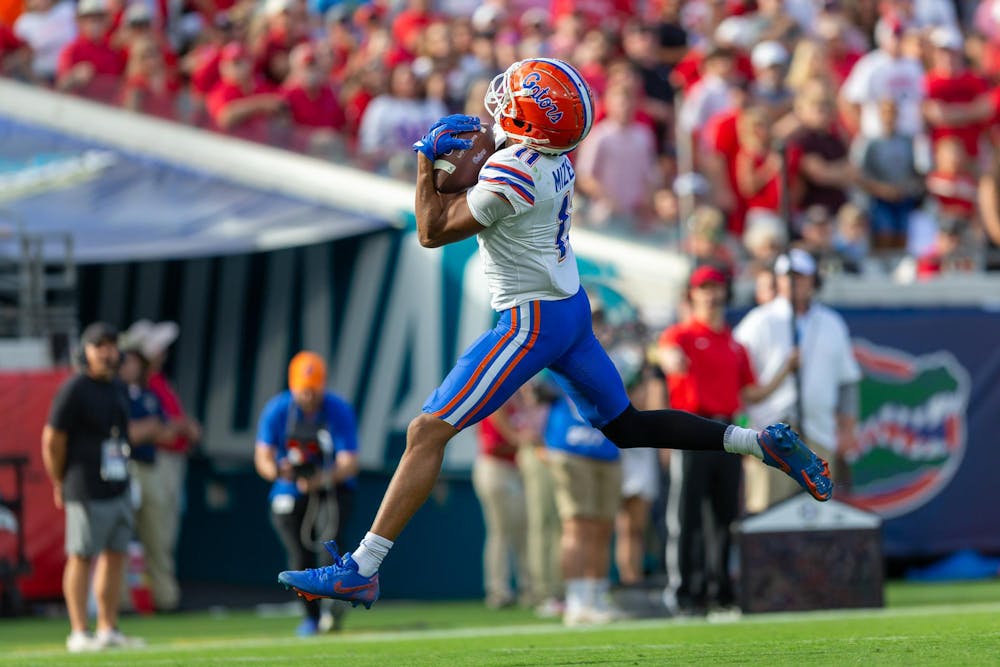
[(499, 103)]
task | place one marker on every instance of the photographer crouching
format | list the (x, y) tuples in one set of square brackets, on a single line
[(307, 446)]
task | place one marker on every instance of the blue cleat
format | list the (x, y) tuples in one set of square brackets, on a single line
[(339, 581), (783, 449)]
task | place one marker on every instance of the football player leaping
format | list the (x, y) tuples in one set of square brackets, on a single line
[(520, 210)]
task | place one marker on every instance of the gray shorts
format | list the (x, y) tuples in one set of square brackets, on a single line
[(93, 526)]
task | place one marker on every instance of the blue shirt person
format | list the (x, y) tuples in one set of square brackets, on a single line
[(148, 423), (307, 447)]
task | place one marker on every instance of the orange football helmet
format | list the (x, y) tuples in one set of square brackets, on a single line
[(542, 102)]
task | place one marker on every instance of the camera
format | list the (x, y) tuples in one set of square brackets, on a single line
[(304, 458)]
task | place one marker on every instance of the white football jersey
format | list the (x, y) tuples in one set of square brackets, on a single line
[(524, 199)]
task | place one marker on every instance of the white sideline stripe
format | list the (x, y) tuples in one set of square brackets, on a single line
[(256, 165), (553, 628)]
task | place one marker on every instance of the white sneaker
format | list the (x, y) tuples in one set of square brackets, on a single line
[(550, 608), (325, 622), (587, 616), (332, 619), (81, 642), (115, 639)]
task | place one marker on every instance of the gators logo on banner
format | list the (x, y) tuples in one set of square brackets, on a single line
[(911, 427)]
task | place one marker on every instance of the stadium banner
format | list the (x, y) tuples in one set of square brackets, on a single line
[(926, 447)]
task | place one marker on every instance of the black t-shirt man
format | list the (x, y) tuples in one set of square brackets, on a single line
[(84, 444), (94, 415)]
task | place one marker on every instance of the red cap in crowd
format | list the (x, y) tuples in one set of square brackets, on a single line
[(706, 274), (232, 51)]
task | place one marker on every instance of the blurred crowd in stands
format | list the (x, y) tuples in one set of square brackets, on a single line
[(863, 130)]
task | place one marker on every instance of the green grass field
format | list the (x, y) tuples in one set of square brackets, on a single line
[(955, 624)]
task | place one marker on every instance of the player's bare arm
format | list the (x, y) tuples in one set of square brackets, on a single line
[(441, 218)]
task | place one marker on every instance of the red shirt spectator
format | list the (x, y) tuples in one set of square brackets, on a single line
[(714, 367), (768, 195), (950, 184), (15, 54), (239, 103), (310, 99), (955, 194), (150, 87), (720, 137), (687, 72), (105, 60), (318, 108), (287, 27), (757, 166), (204, 68), (9, 42), (410, 23), (946, 255), (88, 65), (604, 14), (137, 23), (159, 385), (963, 87), (492, 443)]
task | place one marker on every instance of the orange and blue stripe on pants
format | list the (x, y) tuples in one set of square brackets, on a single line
[(527, 339)]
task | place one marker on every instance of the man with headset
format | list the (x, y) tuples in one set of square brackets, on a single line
[(307, 446), (821, 398), (85, 448)]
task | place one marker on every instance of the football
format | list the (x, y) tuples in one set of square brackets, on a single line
[(456, 171)]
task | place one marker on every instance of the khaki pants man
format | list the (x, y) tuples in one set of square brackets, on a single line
[(152, 523), (544, 527), (501, 493), (171, 469)]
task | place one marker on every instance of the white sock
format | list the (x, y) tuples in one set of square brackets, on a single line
[(590, 591), (602, 593), (739, 440), (370, 553), (575, 594)]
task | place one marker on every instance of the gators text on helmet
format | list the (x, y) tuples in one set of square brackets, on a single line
[(543, 103)]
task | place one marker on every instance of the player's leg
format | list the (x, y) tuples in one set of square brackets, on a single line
[(589, 377), (591, 380), (487, 374)]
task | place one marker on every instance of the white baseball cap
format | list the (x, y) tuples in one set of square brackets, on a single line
[(150, 339), (947, 37), (91, 7), (138, 12), (733, 31), (796, 260), (768, 54)]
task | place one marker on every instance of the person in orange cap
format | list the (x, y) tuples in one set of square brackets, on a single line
[(307, 447)]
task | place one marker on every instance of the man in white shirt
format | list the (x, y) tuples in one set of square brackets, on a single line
[(47, 27), (880, 74), (827, 381)]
